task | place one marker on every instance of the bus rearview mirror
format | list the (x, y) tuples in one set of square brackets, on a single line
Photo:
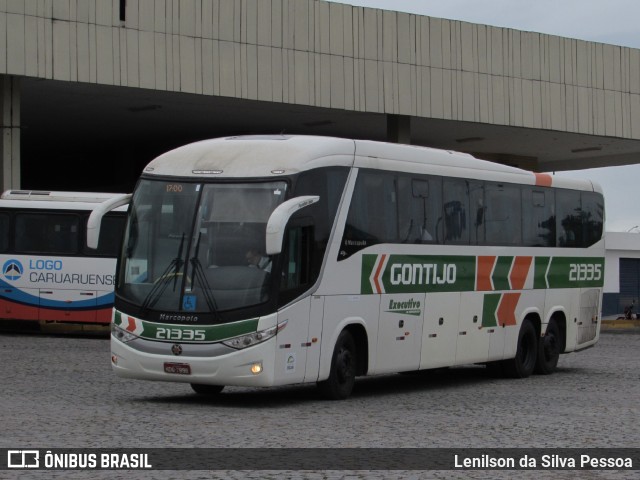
[(95, 219), (279, 218)]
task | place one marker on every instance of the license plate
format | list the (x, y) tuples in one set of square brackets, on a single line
[(177, 368)]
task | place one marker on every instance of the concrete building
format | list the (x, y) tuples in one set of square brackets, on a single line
[(102, 86)]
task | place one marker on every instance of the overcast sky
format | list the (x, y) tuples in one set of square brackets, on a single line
[(608, 21)]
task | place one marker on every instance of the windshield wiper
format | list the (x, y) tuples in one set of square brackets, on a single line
[(198, 274), (160, 285)]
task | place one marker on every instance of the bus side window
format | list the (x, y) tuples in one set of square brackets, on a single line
[(296, 271), (569, 218), (4, 232), (456, 206), (329, 184), (54, 233), (478, 211), (592, 218), (420, 209), (373, 214), (503, 219), (538, 218)]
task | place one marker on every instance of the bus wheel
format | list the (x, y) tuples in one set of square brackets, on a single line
[(525, 361), (343, 369), (548, 350), (201, 389)]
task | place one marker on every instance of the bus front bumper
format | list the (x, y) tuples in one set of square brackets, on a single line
[(250, 367)]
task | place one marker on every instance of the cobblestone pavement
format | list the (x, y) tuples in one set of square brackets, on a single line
[(59, 392)]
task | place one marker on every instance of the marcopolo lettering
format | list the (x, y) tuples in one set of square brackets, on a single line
[(423, 274)]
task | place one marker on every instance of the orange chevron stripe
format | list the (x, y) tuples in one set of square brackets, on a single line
[(543, 179), (131, 326), (507, 309), (519, 272), (376, 278), (485, 268)]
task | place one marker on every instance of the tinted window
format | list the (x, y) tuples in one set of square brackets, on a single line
[(373, 214), (455, 204), (4, 232), (539, 222), (402, 208), (296, 262), (569, 219), (503, 218), (47, 233), (420, 209), (328, 184), (592, 217), (478, 212)]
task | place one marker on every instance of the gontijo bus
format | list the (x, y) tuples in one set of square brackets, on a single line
[(262, 261), (49, 276)]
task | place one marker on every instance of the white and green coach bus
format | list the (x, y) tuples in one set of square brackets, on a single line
[(272, 260)]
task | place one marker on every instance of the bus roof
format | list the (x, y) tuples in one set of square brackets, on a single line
[(273, 155), (253, 156), (41, 199)]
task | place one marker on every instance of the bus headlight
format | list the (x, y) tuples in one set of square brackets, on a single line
[(251, 339), (121, 334)]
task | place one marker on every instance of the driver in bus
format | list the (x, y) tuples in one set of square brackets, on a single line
[(258, 260)]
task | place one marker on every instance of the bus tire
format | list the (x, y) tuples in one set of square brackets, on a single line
[(525, 360), (202, 389), (549, 350), (342, 376)]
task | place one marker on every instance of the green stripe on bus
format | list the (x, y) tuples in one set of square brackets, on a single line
[(457, 273), (190, 333), (540, 272), (489, 308), (368, 264), (500, 275), (572, 272), (211, 333)]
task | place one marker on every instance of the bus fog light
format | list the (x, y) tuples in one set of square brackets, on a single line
[(256, 368)]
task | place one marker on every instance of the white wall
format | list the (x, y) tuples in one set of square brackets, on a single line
[(618, 245)]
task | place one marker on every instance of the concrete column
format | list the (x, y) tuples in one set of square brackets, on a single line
[(399, 129), (10, 132)]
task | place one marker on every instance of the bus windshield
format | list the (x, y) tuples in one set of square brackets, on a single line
[(198, 248)]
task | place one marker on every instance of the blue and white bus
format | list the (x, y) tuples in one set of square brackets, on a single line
[(49, 277)]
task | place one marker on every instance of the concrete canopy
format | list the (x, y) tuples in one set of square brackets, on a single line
[(112, 84)]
